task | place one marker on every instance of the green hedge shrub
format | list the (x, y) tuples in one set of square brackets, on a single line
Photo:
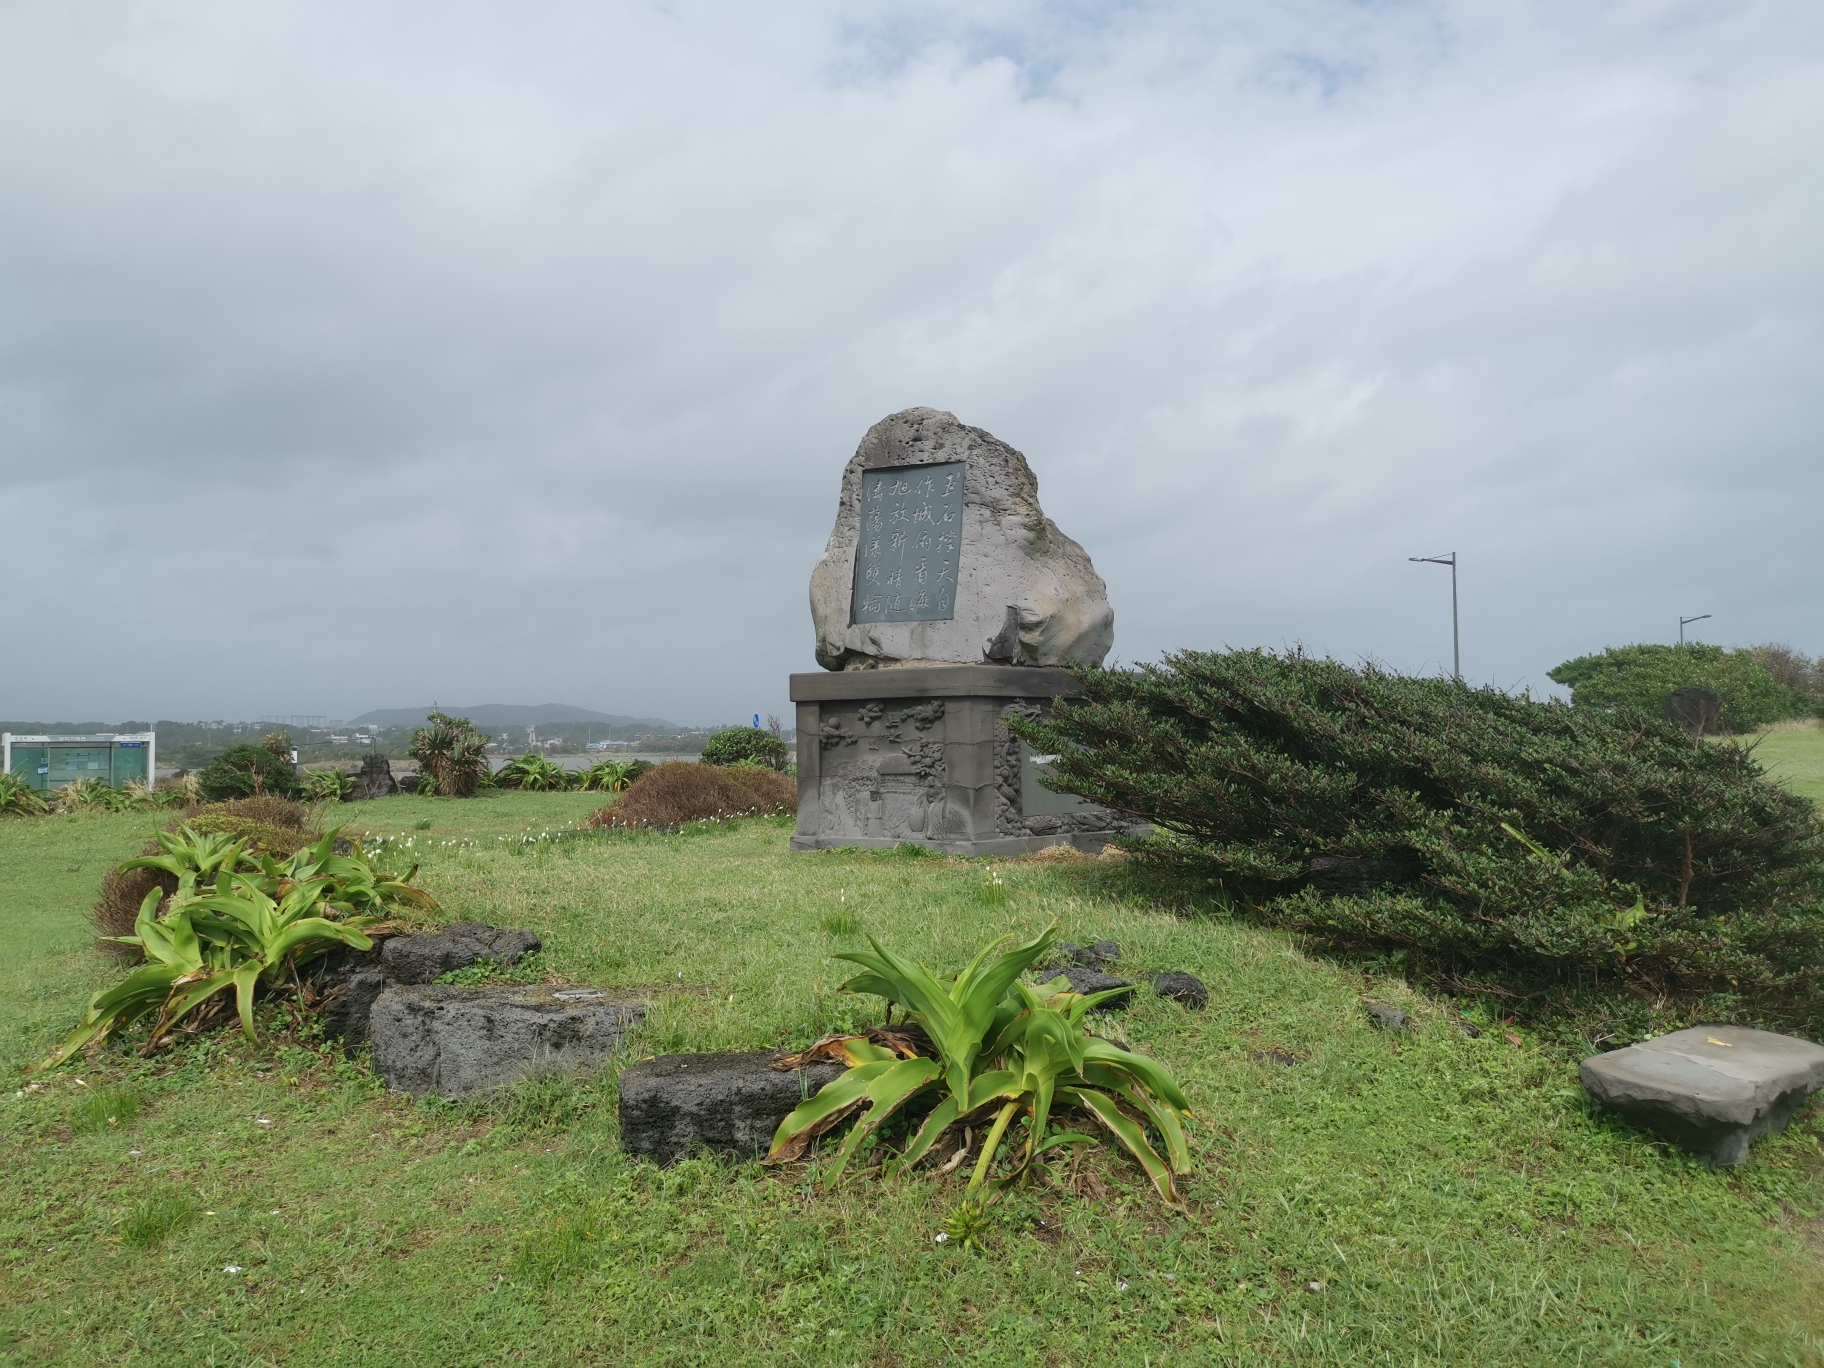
[(745, 743), (246, 770), (1470, 828), (1643, 678)]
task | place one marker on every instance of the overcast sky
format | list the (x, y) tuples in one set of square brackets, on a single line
[(358, 354)]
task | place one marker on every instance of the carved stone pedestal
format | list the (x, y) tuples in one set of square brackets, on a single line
[(921, 755)]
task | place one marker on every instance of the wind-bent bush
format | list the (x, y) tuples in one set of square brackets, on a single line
[(678, 792), (1469, 827), (1643, 678), (248, 771), (745, 743), (452, 755), (981, 1049)]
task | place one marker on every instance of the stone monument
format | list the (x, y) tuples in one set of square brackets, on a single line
[(945, 602)]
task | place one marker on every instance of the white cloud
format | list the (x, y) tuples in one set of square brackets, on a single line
[(356, 354)]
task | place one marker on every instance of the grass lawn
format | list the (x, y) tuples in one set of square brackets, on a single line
[(1794, 755), (1359, 1198)]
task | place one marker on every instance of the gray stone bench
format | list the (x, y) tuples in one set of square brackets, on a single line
[(1711, 1089)]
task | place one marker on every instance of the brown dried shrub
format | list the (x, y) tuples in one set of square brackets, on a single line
[(122, 891), (678, 792)]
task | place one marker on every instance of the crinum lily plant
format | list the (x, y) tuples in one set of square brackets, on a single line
[(993, 1049), (236, 923)]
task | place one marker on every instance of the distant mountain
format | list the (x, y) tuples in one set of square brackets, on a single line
[(486, 715)]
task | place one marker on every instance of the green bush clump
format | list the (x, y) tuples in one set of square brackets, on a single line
[(745, 743), (329, 786), (262, 837), (248, 771), (157, 1216), (1471, 829), (269, 826), (1643, 678), (980, 1048)]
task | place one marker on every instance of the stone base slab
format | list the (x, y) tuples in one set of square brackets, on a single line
[(922, 755), (1010, 847)]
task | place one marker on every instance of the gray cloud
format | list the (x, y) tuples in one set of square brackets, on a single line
[(357, 354)]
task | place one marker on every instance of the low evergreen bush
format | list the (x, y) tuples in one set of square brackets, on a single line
[(1474, 830), (1644, 677), (248, 771), (736, 744)]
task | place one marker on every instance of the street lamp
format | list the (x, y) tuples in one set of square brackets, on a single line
[(1681, 625), (1456, 640)]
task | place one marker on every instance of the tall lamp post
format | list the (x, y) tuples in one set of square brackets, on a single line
[(1456, 640), (1681, 625)]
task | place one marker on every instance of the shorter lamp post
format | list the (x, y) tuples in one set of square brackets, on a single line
[(1681, 625), (1456, 640)]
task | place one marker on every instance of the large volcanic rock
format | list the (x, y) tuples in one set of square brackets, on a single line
[(453, 1041), (425, 959), (375, 779), (726, 1103), (1024, 594)]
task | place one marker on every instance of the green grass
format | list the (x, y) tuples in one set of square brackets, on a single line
[(1794, 755), (1431, 1199)]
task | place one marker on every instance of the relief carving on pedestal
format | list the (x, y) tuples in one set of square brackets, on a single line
[(891, 784)]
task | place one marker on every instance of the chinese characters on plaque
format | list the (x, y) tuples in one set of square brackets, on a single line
[(911, 543)]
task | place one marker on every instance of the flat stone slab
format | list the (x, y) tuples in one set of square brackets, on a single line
[(726, 1103), (454, 1041), (1713, 1090)]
